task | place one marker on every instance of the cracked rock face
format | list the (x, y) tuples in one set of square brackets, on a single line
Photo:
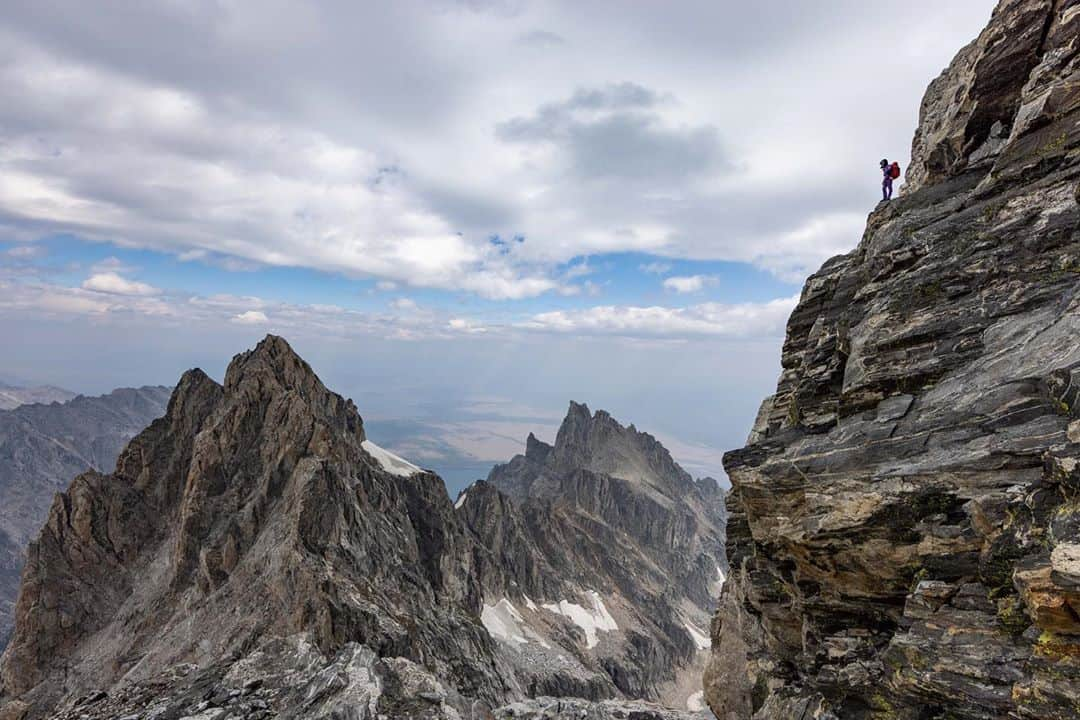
[(905, 517)]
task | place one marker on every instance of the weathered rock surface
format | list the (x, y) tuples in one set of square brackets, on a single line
[(254, 555), (43, 446), (601, 529), (251, 512), (904, 518), (547, 708)]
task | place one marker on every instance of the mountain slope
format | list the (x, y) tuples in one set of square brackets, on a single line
[(41, 448), (12, 397), (600, 560), (255, 555), (903, 533)]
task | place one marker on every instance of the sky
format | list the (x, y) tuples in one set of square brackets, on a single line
[(464, 213)]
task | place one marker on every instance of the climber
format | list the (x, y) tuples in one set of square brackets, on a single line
[(890, 171)]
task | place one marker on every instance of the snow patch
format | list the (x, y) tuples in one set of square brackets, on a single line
[(696, 702), (461, 501), (390, 462), (590, 620), (700, 639), (503, 622), (720, 579), (529, 603)]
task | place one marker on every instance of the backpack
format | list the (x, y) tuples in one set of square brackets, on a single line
[(894, 170)]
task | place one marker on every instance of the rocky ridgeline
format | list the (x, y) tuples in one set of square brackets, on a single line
[(904, 529), (12, 396), (43, 446), (254, 555), (601, 561)]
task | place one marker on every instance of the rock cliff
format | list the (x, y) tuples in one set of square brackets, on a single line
[(904, 531), (43, 446)]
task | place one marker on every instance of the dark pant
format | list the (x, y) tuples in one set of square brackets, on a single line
[(886, 188)]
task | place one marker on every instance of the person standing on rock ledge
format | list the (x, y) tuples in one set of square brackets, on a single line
[(890, 172)]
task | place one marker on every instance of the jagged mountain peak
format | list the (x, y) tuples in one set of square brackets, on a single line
[(535, 449), (256, 508), (273, 371), (603, 519), (273, 354), (598, 442), (193, 385), (592, 442)]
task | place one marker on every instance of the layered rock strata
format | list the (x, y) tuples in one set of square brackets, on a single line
[(903, 529)]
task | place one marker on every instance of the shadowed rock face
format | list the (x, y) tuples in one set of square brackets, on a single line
[(253, 555), (902, 534), (603, 515), (42, 446)]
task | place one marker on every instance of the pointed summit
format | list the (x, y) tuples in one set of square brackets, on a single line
[(273, 372), (598, 442), (536, 450)]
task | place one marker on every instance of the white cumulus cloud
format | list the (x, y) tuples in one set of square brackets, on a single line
[(465, 325), (115, 284), (712, 319), (251, 317), (688, 284)]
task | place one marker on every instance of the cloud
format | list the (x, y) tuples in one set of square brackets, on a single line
[(688, 284), (689, 130), (541, 39), (26, 298), (707, 319), (797, 252), (111, 265), (25, 252), (577, 270), (70, 303), (23, 299), (141, 163), (465, 325), (655, 268), (251, 317), (114, 284), (615, 131)]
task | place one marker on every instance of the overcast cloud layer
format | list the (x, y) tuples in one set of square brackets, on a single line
[(394, 139), (620, 180)]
